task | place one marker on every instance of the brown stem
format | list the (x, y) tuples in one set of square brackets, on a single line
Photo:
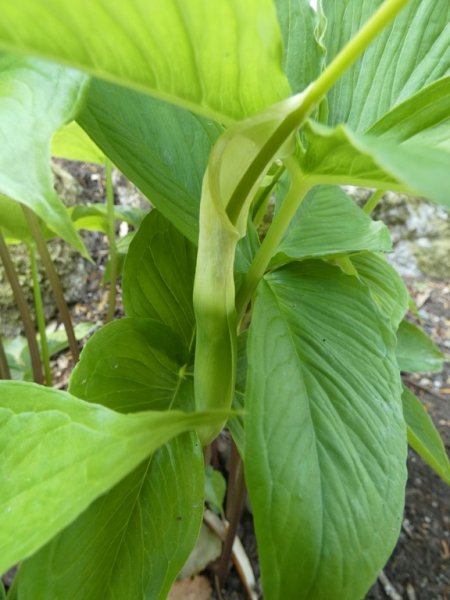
[(235, 506), (25, 314), (5, 373), (52, 275)]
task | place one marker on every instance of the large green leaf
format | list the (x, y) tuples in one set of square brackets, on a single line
[(423, 437), (36, 98), (325, 437), (131, 364), (158, 277), (416, 352), (162, 149), (205, 56), (130, 543), (301, 28), (344, 157), (328, 222), (409, 55), (385, 284), (60, 453), (138, 536)]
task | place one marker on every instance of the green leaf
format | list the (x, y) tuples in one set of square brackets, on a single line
[(342, 156), (158, 276), (2, 591), (72, 143), (416, 352), (132, 364), (426, 109), (386, 286), (205, 57), (130, 543), (215, 488), (60, 453), (301, 28), (409, 55), (19, 354), (36, 98), (94, 216), (161, 148), (12, 222), (325, 437), (423, 437), (329, 222)]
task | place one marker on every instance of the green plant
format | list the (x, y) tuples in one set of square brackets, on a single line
[(289, 342)]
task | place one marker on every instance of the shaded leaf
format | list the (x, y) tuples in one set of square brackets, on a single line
[(409, 55), (323, 402), (158, 277), (385, 284), (301, 28), (416, 352), (132, 364), (211, 62), (328, 222), (162, 149), (423, 437), (215, 488)]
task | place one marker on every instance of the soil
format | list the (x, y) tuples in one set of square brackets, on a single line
[(419, 568)]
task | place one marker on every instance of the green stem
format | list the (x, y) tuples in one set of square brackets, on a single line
[(312, 96), (373, 201), (27, 320), (113, 267), (297, 192), (40, 318), (52, 275), (5, 373)]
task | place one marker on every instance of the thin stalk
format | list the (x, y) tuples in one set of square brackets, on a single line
[(235, 506), (40, 318), (52, 275), (113, 266), (312, 96), (27, 320), (373, 201), (5, 373), (298, 190)]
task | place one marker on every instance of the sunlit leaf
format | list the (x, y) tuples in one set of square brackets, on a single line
[(204, 56), (36, 98)]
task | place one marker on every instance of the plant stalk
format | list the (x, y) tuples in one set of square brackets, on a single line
[(113, 267), (312, 96), (373, 201), (298, 190), (52, 275), (235, 506), (40, 318), (27, 320), (5, 373)]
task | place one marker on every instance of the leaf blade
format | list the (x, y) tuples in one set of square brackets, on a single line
[(308, 450)]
